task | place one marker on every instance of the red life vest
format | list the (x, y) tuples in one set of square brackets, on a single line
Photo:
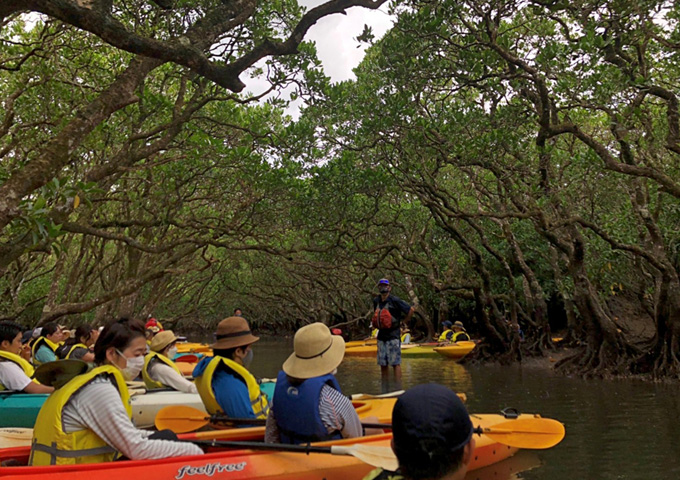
[(382, 318)]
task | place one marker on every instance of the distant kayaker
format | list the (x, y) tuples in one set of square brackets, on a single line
[(223, 381), (159, 370), (453, 332), (432, 436), (308, 405), (88, 419), (45, 346), (238, 312), (388, 313), (79, 347), (16, 372)]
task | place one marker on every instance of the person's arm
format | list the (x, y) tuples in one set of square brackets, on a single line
[(14, 379), (338, 413), (271, 430), (35, 387), (167, 376), (98, 407), (408, 316)]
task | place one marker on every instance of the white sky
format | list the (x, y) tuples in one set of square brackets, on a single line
[(336, 46)]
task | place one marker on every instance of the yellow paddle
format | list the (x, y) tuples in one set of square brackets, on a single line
[(182, 419), (533, 433), (530, 433)]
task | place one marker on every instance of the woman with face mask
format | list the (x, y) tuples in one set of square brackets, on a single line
[(88, 419), (159, 370)]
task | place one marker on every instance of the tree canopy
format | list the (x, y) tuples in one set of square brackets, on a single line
[(510, 163)]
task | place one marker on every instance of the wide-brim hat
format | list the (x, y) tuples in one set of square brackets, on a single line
[(233, 332), (459, 324), (317, 352), (56, 374), (162, 340)]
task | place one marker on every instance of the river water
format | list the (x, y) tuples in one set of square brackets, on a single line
[(614, 429)]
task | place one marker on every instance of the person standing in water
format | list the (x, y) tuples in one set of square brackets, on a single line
[(388, 313)]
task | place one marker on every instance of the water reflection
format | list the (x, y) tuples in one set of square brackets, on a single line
[(615, 429)]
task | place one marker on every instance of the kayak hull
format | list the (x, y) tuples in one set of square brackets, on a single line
[(243, 464), (21, 409), (456, 350)]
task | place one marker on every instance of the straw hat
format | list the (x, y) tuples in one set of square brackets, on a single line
[(317, 352), (162, 340), (233, 332)]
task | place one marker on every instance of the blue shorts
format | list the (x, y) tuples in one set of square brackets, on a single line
[(389, 352)]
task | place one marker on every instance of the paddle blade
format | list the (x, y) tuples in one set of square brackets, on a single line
[(180, 419), (533, 433), (382, 457)]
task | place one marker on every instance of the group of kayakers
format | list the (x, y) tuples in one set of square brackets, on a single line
[(88, 417)]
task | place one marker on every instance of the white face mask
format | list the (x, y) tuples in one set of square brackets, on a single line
[(248, 359), (134, 366), (172, 351)]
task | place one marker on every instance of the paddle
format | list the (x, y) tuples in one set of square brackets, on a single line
[(396, 393), (181, 419), (533, 433), (530, 433), (377, 456), (368, 396)]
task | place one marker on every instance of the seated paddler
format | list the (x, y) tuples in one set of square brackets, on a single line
[(44, 348), (159, 370), (308, 404), (88, 417), (79, 347), (223, 381), (16, 373)]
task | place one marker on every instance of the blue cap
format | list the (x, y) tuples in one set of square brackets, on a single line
[(447, 324), (384, 281), (429, 420)]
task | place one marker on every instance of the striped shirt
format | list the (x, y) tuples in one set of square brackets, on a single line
[(337, 414), (97, 406)]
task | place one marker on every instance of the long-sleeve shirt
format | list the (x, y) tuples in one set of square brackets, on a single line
[(167, 376), (98, 407), (336, 411)]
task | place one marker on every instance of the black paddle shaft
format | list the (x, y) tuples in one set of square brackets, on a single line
[(279, 447)]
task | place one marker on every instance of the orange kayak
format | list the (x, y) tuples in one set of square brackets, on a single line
[(241, 464)]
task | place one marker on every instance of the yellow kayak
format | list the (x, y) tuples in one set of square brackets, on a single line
[(456, 350)]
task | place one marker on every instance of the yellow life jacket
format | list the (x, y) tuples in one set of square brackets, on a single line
[(51, 445), (13, 357), (73, 348), (38, 343), (442, 337), (149, 382), (458, 334), (204, 386)]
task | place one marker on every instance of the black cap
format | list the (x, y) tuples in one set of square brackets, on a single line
[(429, 420), (26, 336)]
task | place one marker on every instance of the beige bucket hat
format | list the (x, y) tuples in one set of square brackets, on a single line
[(162, 340), (317, 352), (233, 332)]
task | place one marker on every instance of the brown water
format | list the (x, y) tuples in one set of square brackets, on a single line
[(615, 429)]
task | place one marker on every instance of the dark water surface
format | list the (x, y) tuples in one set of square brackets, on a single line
[(615, 429)]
